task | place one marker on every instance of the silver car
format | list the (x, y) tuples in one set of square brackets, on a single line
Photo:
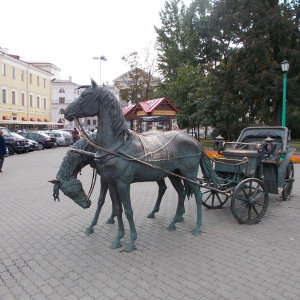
[(63, 138)]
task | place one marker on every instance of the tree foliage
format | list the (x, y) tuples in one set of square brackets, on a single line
[(140, 79), (221, 60)]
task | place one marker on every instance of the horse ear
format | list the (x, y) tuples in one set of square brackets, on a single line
[(94, 84)]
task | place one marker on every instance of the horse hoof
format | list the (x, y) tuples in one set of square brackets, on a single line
[(115, 245), (196, 232), (129, 248), (171, 227), (110, 221), (151, 216), (89, 231)]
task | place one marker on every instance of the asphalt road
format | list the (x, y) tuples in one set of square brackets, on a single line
[(44, 253)]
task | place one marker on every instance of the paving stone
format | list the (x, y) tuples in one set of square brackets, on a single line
[(44, 253)]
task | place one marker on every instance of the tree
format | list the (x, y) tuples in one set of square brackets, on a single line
[(140, 79), (184, 55), (239, 46), (265, 33)]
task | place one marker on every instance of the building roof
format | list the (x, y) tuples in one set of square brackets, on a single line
[(128, 109), (151, 105)]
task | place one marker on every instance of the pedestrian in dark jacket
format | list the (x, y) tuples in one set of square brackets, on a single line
[(75, 135), (2, 149)]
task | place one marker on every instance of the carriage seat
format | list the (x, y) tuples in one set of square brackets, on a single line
[(278, 147)]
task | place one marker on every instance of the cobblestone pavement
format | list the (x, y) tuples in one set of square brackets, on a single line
[(44, 253)]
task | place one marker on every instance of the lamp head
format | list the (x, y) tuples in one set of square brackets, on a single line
[(285, 65)]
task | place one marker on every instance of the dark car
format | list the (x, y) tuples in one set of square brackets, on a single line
[(33, 145), (43, 139), (14, 144)]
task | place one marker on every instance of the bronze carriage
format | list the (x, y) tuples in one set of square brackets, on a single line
[(257, 164)]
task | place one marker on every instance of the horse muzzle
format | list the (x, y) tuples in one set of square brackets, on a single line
[(70, 118), (84, 203)]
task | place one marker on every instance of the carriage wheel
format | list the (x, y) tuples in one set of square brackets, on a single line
[(213, 199), (249, 201), (288, 182)]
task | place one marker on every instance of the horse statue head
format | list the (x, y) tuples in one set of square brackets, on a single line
[(73, 189), (86, 104), (100, 102)]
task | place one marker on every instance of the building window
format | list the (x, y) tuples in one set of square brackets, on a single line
[(12, 72), (45, 103), (44, 83), (13, 98), (22, 75), (88, 122), (38, 80), (38, 102), (30, 78), (3, 70), (23, 99), (61, 100), (31, 101), (4, 98), (61, 90), (94, 122), (61, 111)]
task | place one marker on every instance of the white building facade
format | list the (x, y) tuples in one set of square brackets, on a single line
[(63, 93)]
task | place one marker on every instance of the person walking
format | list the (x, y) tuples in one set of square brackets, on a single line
[(2, 149), (75, 135)]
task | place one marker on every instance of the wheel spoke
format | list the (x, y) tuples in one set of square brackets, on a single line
[(213, 200), (255, 191), (261, 194), (220, 201), (250, 188), (241, 198), (244, 191), (249, 212), (207, 198), (242, 205), (255, 210), (244, 211)]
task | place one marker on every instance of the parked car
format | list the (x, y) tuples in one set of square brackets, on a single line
[(63, 138), (33, 145), (68, 130), (14, 144), (43, 139)]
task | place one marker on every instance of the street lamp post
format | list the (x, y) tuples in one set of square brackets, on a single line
[(102, 57), (285, 67), (139, 96)]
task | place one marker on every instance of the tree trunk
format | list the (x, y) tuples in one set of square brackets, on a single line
[(277, 115)]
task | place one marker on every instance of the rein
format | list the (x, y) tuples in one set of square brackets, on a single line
[(92, 183)]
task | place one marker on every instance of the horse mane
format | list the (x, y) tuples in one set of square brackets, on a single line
[(110, 102), (73, 162)]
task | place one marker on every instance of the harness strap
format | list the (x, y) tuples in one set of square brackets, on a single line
[(87, 138)]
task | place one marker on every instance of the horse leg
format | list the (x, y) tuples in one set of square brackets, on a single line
[(198, 195), (111, 220), (179, 187), (124, 193), (161, 191), (117, 207), (101, 200)]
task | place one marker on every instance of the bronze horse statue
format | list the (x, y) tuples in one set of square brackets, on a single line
[(124, 157), (66, 181)]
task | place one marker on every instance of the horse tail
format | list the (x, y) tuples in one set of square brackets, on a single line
[(208, 172)]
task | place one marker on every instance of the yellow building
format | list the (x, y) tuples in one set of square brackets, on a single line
[(25, 100)]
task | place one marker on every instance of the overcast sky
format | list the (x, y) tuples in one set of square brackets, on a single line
[(69, 33)]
